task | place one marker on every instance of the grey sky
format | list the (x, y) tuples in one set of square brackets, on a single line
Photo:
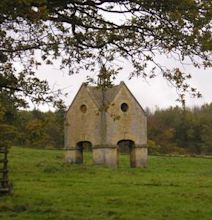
[(155, 92)]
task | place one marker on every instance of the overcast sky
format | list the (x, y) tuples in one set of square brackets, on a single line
[(154, 93)]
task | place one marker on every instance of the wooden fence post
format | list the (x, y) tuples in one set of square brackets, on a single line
[(5, 187)]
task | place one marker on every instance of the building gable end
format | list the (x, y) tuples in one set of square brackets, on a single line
[(123, 85), (82, 87)]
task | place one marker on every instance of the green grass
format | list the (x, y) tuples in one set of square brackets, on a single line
[(44, 187)]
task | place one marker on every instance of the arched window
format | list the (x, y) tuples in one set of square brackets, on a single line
[(83, 108)]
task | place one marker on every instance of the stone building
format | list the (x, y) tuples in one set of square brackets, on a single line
[(106, 118)]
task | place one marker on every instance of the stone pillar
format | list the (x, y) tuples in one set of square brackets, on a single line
[(111, 156), (98, 155), (132, 153), (140, 153), (105, 154)]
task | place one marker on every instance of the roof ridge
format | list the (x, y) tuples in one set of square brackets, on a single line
[(97, 94)]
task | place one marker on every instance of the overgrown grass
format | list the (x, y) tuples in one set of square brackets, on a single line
[(44, 187)]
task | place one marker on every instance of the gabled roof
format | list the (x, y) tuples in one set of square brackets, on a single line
[(99, 97), (96, 94)]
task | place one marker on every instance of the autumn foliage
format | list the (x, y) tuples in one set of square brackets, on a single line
[(179, 131)]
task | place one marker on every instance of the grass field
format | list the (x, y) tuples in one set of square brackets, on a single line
[(44, 187)]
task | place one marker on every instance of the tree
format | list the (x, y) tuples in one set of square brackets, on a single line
[(181, 130), (35, 129), (23, 84), (84, 34), (8, 113)]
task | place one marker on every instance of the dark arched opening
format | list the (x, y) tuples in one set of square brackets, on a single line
[(81, 147), (127, 147)]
